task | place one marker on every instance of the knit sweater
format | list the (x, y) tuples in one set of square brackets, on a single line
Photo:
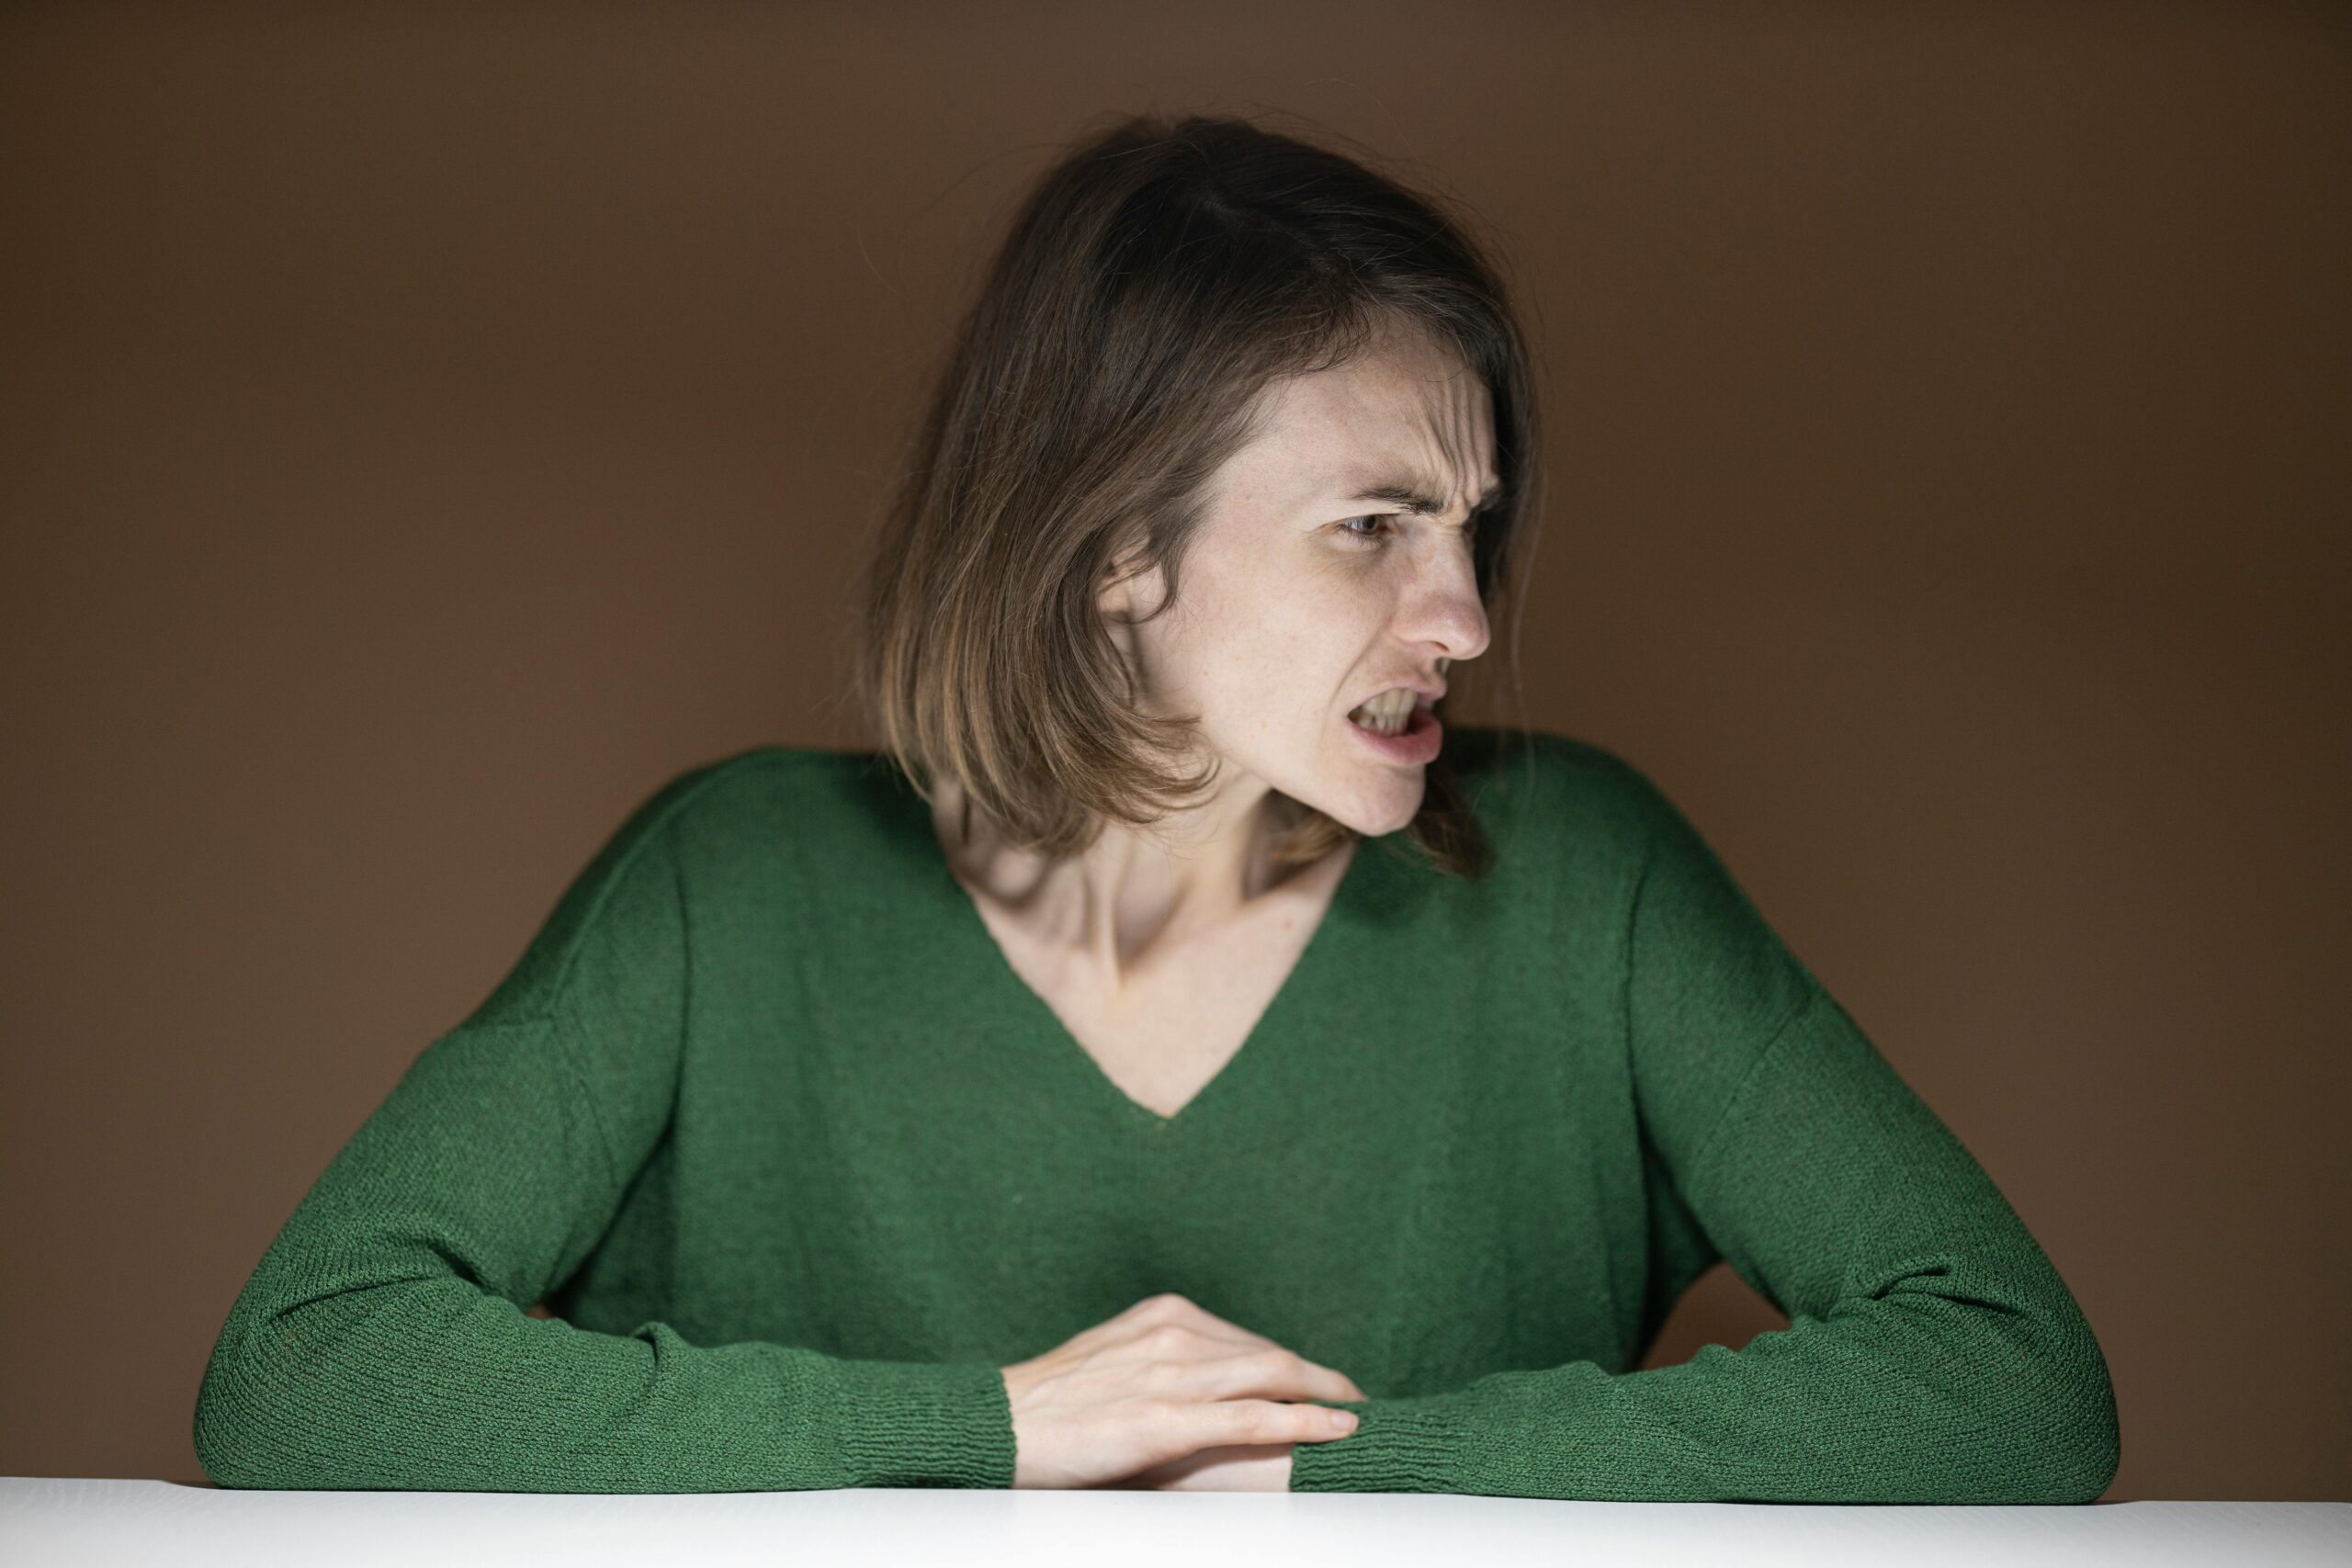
[(799, 1162)]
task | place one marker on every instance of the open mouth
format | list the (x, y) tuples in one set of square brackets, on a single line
[(1391, 713), (1412, 736)]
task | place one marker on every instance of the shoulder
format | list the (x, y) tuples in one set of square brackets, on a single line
[(690, 837), (798, 813), (1535, 789), (753, 789)]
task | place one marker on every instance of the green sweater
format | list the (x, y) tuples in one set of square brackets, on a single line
[(798, 1161)]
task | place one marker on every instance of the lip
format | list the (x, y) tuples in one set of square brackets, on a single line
[(1417, 744)]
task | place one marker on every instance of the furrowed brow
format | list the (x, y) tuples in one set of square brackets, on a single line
[(1420, 503)]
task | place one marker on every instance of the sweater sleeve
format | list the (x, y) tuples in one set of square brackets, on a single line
[(1933, 1354), (384, 1341)]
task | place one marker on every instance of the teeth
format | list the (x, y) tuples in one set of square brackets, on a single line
[(1386, 713)]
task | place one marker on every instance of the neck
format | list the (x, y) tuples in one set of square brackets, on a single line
[(1134, 892)]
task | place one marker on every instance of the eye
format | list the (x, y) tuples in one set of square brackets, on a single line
[(1381, 520)]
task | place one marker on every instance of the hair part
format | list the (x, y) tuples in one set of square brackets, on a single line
[(1152, 284)]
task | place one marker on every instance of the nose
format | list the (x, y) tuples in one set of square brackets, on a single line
[(1442, 608)]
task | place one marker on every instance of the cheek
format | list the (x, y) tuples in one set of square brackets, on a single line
[(1276, 644), (1279, 680)]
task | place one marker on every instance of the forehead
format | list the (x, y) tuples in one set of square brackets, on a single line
[(1406, 411)]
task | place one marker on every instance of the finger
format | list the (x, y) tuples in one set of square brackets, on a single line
[(1274, 1373), (1240, 1467), (1132, 1323), (1210, 1324), (1183, 1309), (1173, 1328), (1171, 1307), (1223, 1422)]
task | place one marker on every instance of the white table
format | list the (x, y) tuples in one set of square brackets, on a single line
[(52, 1523)]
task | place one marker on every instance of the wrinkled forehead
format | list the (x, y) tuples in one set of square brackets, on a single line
[(1408, 411)]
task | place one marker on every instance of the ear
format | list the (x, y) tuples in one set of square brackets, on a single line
[(1122, 589)]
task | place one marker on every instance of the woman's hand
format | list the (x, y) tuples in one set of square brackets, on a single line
[(1161, 1384), (1249, 1468)]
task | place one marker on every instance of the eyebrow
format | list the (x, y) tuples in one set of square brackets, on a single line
[(1416, 498)]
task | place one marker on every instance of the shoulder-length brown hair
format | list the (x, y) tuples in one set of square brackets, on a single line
[(1154, 281)]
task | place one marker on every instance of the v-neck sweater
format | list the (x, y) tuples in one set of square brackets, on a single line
[(798, 1163)]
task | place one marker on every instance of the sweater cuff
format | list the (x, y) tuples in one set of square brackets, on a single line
[(1400, 1445), (926, 1424)]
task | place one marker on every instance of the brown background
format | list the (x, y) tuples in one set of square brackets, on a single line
[(426, 432)]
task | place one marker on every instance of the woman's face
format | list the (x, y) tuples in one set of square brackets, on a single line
[(1302, 598)]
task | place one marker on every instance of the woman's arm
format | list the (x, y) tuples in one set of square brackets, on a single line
[(383, 1341), (1933, 1354)]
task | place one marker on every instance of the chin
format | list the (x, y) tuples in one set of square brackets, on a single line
[(1378, 811)]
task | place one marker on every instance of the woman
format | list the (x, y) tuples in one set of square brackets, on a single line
[(1067, 1094)]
